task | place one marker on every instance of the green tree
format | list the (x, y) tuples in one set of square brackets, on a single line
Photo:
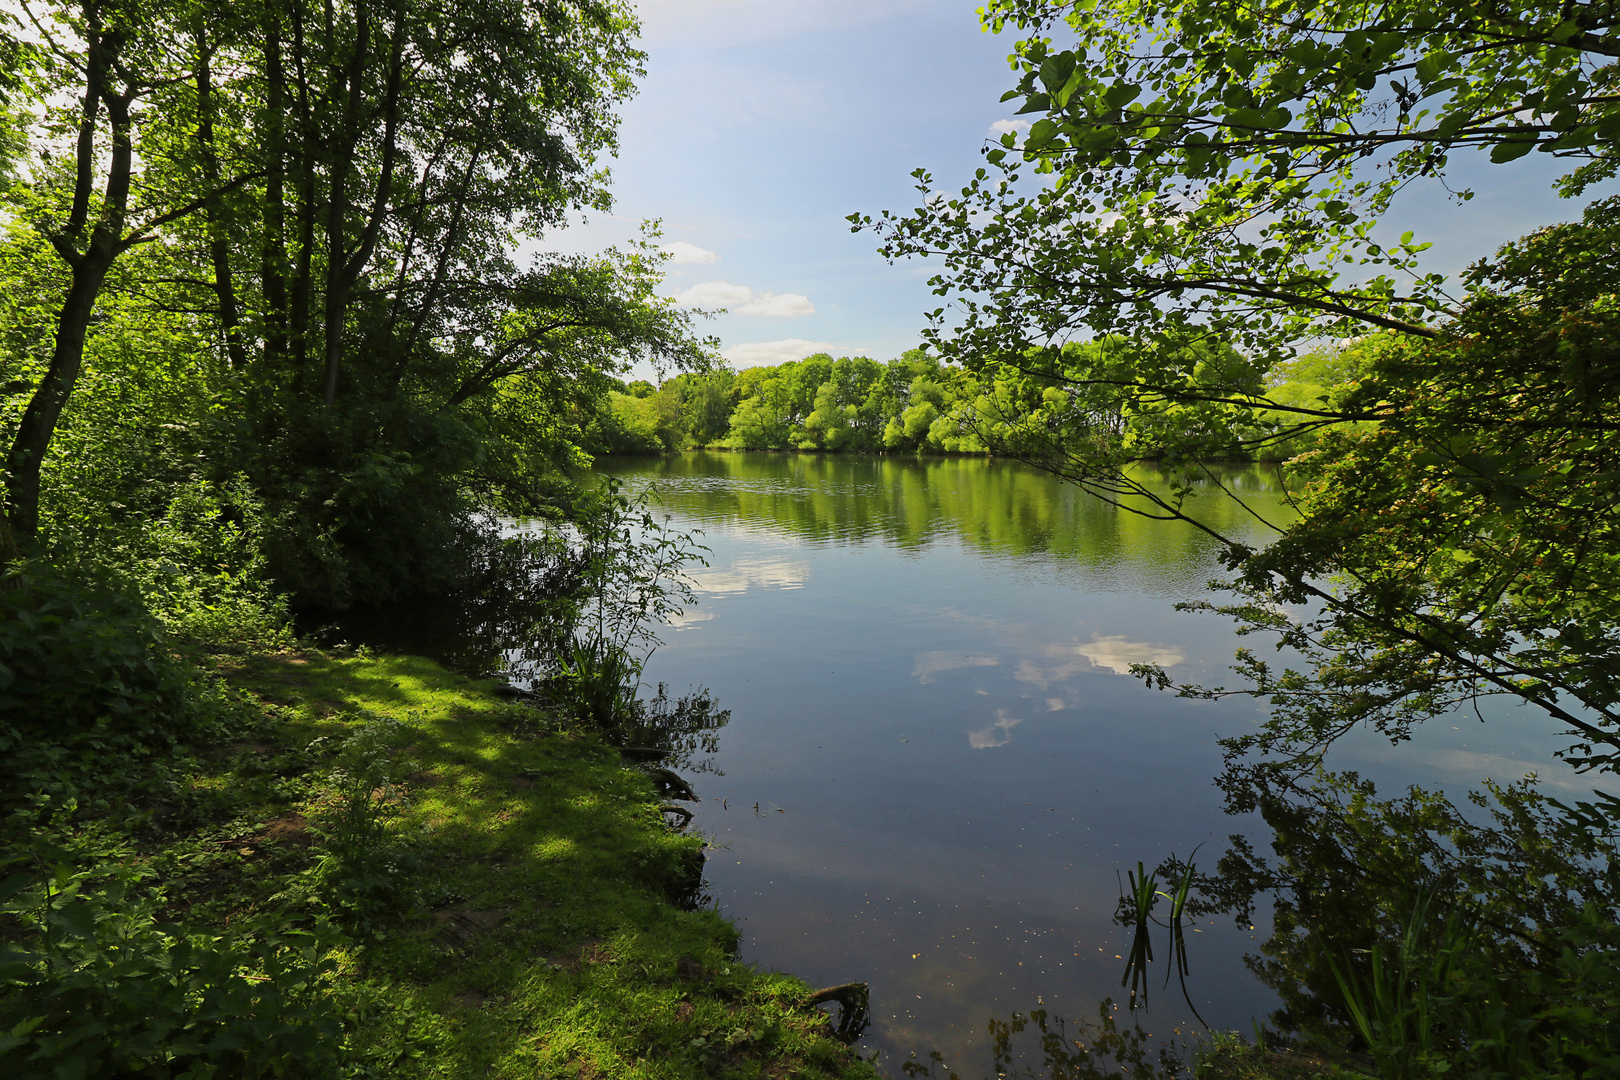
[(710, 398), (111, 177), (330, 194), (1215, 176)]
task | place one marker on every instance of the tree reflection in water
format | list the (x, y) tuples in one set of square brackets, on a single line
[(676, 733), (508, 614), (1104, 1050), (1410, 936)]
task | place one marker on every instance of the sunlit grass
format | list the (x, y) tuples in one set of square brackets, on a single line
[(542, 940)]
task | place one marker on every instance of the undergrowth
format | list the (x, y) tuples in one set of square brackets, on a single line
[(350, 865)]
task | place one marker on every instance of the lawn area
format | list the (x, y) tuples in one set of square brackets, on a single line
[(470, 887)]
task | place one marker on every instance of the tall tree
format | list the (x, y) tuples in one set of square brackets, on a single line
[(337, 190), (1209, 177), (113, 184)]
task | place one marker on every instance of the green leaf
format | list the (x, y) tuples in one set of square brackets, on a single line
[(1511, 149), (1452, 122), (1565, 30), (1429, 68), (1055, 71), (1121, 94), (1035, 103), (1043, 132)]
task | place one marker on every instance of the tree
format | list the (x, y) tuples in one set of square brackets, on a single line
[(111, 182), (1473, 529), (1205, 161), (331, 194), (1208, 180)]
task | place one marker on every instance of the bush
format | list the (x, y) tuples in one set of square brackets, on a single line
[(75, 657), (97, 987), (202, 569), (365, 867), (91, 695)]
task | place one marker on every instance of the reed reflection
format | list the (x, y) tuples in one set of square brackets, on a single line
[(1136, 907), (1039, 1045)]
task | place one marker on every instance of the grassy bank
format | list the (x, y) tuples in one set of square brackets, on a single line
[(402, 869)]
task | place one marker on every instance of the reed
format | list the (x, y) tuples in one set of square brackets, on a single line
[(1403, 999), (1178, 899), (602, 681), (1137, 905), (1143, 894)]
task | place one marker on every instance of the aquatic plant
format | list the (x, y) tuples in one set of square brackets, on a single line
[(601, 681), (1143, 894), (632, 578), (1178, 900), (1137, 906)]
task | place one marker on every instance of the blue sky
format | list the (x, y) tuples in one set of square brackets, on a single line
[(763, 123)]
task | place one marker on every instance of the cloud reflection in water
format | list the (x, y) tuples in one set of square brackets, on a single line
[(748, 574), (1115, 652), (997, 734), (930, 664)]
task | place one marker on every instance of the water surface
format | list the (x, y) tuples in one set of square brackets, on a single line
[(938, 767)]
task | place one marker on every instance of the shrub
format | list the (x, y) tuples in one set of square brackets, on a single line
[(365, 867), (74, 656), (90, 696), (98, 987)]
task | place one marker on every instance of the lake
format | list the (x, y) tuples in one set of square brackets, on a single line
[(938, 770)]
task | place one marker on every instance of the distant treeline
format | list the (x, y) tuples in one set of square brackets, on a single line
[(913, 404)]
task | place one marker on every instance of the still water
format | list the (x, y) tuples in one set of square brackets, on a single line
[(938, 769)]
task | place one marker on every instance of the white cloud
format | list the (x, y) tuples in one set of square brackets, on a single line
[(788, 305), (757, 353), (680, 252), (715, 294), (741, 300), (1002, 127)]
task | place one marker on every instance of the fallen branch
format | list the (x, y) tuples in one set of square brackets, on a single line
[(671, 784), (671, 808), (846, 994), (853, 1001)]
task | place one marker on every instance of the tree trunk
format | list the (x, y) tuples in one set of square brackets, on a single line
[(343, 267), (337, 206), (303, 275), (89, 266), (218, 242), (273, 255), (38, 424)]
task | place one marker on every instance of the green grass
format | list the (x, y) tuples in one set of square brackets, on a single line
[(494, 892), (542, 935)]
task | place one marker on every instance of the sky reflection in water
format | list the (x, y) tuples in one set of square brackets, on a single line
[(937, 766)]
